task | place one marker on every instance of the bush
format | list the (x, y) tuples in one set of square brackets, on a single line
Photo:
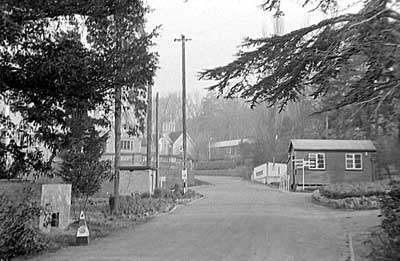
[(362, 189), (137, 205), (390, 208), (19, 222)]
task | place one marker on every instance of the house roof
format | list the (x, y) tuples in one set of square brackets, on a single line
[(174, 135), (332, 145), (230, 143)]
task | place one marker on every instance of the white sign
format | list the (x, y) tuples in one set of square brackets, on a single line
[(184, 174), (163, 179)]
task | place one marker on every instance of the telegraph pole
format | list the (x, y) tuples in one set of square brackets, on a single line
[(117, 117), (183, 40), (157, 149), (149, 124)]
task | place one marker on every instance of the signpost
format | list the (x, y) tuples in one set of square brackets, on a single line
[(184, 177), (301, 164)]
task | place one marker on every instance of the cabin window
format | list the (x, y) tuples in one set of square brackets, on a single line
[(317, 160), (354, 161)]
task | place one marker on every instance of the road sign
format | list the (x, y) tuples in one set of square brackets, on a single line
[(184, 174), (82, 235)]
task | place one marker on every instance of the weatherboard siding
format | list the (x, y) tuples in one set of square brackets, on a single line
[(335, 169)]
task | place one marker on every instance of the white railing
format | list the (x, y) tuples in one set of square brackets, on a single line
[(284, 184), (260, 173)]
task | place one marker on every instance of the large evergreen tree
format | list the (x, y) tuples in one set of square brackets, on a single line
[(45, 69), (280, 69)]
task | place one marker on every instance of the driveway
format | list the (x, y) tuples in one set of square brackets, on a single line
[(237, 220)]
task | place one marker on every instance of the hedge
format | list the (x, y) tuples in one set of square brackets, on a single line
[(360, 189), (390, 209)]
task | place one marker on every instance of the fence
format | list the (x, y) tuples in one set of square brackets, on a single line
[(284, 183)]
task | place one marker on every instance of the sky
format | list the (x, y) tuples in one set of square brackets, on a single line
[(217, 28)]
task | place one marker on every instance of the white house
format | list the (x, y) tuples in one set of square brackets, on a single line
[(172, 144), (269, 172)]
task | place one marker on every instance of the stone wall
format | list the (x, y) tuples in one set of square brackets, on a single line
[(56, 200)]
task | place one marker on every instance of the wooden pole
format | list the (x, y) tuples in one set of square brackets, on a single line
[(183, 40), (149, 124), (183, 101), (117, 126), (157, 149)]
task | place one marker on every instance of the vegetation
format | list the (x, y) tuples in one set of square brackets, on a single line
[(19, 232), (359, 189), (390, 208), (48, 68)]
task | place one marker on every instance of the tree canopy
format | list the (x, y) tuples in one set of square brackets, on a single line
[(281, 68), (48, 69)]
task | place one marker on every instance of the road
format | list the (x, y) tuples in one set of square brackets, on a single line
[(237, 220)]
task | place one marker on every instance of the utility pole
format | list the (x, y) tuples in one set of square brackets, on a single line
[(117, 118), (149, 124), (157, 149), (183, 40), (326, 126)]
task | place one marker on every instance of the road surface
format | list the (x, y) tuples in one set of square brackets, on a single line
[(237, 220)]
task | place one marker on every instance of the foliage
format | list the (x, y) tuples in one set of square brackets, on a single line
[(19, 234), (278, 69), (137, 205), (46, 67), (360, 189), (82, 166), (390, 208)]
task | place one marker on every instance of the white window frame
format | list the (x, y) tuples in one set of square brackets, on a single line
[(353, 159), (315, 155)]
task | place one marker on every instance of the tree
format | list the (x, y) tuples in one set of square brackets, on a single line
[(82, 166), (280, 69), (45, 68)]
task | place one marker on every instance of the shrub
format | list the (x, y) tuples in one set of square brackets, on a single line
[(390, 208), (19, 232), (139, 206), (361, 189)]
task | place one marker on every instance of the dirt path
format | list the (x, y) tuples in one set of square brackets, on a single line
[(237, 220)]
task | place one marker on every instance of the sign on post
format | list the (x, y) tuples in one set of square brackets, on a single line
[(184, 174)]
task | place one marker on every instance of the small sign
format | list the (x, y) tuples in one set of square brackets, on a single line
[(163, 179), (184, 174), (82, 235)]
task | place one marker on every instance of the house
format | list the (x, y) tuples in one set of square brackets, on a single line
[(227, 149), (270, 172), (330, 161), (172, 144)]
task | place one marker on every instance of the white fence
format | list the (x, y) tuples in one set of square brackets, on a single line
[(269, 172), (284, 184)]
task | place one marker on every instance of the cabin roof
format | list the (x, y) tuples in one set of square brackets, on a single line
[(331, 145)]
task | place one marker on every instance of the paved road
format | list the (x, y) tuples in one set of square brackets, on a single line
[(237, 220)]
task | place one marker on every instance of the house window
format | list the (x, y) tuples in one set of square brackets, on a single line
[(317, 160), (353, 161)]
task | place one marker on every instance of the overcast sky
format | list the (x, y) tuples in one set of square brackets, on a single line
[(216, 28)]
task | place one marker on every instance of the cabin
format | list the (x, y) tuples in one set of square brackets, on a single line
[(320, 162)]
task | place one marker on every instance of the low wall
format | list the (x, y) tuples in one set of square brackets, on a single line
[(174, 176)]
